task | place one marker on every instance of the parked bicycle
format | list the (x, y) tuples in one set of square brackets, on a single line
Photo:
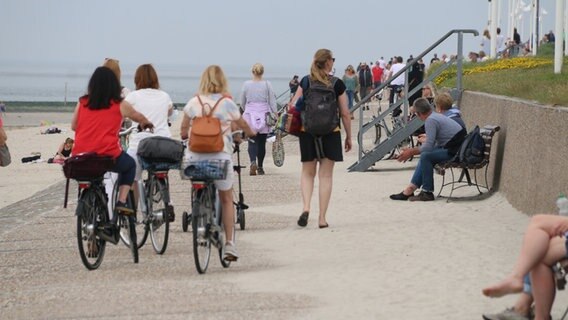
[(95, 226), (384, 130)]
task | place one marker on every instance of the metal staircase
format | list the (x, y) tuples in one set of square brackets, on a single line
[(366, 160)]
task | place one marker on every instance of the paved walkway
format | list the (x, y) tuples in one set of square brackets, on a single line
[(378, 260)]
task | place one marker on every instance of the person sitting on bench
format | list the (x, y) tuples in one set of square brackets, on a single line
[(444, 136)]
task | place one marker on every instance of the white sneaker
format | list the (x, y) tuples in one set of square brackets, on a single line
[(230, 252)]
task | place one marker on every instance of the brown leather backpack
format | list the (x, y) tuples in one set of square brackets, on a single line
[(206, 134)]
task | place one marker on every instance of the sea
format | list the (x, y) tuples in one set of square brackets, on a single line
[(60, 82)]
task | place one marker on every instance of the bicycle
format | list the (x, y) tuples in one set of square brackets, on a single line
[(240, 205), (94, 226), (154, 201), (207, 227), (384, 131)]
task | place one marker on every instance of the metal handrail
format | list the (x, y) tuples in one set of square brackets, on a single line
[(364, 127)]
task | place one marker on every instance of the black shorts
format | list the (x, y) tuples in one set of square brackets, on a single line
[(331, 147)]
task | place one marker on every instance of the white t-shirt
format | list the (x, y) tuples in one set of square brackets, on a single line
[(154, 105), (399, 81)]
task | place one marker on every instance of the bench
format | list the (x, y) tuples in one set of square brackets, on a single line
[(487, 133)]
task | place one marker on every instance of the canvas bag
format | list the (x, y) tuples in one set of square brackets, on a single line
[(206, 133), (5, 158), (320, 115), (278, 150)]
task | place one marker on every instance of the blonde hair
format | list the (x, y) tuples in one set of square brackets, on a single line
[(112, 64), (444, 101), (258, 69), (317, 71), (213, 80)]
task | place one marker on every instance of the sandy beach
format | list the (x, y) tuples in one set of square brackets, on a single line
[(380, 259)]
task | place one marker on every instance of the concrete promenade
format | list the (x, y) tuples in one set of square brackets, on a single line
[(380, 259)]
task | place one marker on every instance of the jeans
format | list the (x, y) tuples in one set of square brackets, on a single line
[(424, 173), (350, 94), (257, 149), (125, 166)]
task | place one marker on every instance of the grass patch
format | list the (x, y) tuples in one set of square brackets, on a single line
[(529, 78)]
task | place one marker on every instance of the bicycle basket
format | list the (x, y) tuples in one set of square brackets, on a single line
[(87, 166), (206, 170), (151, 164)]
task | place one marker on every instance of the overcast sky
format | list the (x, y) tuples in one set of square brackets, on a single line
[(231, 32)]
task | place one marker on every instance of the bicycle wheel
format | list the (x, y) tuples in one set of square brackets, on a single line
[(199, 225), (241, 220), (141, 228), (91, 213), (185, 221), (158, 215)]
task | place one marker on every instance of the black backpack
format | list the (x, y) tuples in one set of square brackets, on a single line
[(320, 115), (473, 148)]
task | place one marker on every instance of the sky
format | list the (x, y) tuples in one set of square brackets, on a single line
[(279, 34)]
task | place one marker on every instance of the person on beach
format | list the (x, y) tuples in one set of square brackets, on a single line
[(351, 81), (99, 114), (442, 141), (3, 135), (156, 105), (365, 82), (545, 242), (322, 64), (63, 152), (258, 101), (212, 88)]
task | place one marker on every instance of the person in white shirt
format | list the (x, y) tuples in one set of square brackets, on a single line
[(155, 104), (398, 82)]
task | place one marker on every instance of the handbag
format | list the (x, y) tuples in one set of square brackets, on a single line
[(278, 150), (292, 122), (270, 119), (5, 158)]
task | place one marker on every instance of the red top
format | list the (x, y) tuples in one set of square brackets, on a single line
[(377, 74), (97, 130)]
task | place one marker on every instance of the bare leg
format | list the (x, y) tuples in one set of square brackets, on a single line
[(123, 193), (325, 176), (544, 289), (535, 246), (523, 304), (228, 212), (307, 183)]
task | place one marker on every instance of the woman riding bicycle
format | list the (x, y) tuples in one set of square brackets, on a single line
[(212, 88), (154, 104), (96, 122)]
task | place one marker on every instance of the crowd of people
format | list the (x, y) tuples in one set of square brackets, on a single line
[(101, 111)]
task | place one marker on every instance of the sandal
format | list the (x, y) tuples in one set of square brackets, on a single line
[(303, 220), (322, 226)]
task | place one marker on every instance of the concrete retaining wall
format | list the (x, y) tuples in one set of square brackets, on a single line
[(529, 162)]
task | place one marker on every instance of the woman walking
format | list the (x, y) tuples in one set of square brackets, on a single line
[(259, 102), (331, 143), (351, 81)]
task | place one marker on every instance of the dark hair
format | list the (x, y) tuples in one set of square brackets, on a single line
[(146, 77), (103, 88)]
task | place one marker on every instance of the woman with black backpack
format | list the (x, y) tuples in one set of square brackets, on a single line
[(325, 101)]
